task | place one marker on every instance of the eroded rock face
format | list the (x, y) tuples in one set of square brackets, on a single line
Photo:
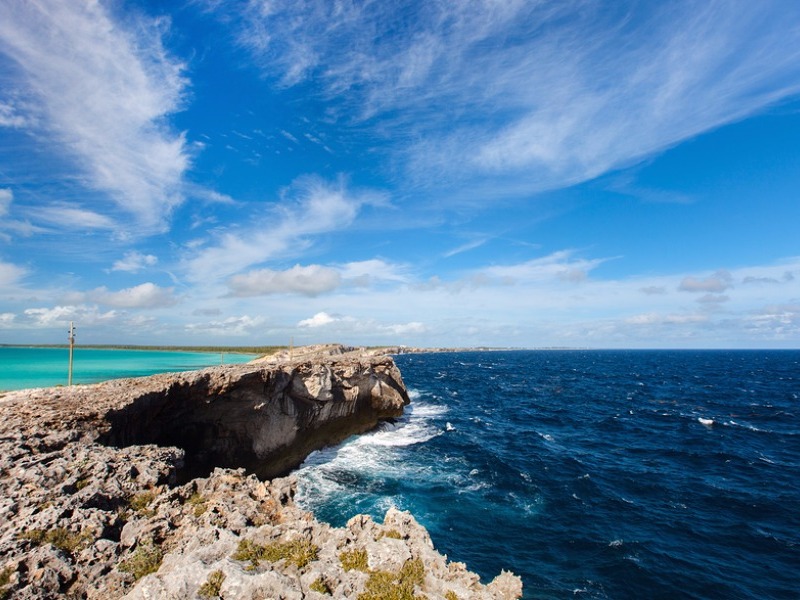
[(93, 502), (266, 418)]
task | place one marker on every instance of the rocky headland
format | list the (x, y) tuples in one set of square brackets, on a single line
[(171, 486)]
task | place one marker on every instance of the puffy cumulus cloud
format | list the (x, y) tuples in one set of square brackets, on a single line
[(101, 87), (7, 319), (145, 295), (134, 261), (311, 280), (318, 320), (309, 207), (240, 326), (716, 283)]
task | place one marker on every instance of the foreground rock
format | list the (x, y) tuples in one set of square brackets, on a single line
[(114, 490)]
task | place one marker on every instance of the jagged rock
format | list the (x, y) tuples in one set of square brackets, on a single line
[(99, 496)]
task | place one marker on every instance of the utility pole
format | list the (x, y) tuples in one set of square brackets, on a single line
[(71, 349)]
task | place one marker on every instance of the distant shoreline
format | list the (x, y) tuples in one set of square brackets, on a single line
[(206, 349)]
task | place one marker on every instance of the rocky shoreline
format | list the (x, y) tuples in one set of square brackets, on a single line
[(167, 487)]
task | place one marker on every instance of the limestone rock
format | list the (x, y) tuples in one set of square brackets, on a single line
[(148, 488)]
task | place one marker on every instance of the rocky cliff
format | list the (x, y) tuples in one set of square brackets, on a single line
[(155, 488)]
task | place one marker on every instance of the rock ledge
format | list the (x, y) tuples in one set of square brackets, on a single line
[(147, 488)]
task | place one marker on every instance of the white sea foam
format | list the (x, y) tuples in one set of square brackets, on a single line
[(363, 462), (706, 422), (615, 543)]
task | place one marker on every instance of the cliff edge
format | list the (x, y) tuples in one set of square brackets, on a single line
[(155, 488)]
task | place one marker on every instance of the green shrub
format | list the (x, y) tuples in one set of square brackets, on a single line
[(212, 586), (296, 552), (321, 586), (145, 560), (392, 533), (5, 579), (199, 504), (387, 585), (355, 559), (140, 503), (451, 595), (60, 537)]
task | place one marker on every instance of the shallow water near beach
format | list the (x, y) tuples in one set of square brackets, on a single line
[(28, 367), (592, 474)]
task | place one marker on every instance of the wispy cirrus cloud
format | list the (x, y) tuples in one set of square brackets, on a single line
[(309, 207), (99, 89), (10, 273), (529, 96)]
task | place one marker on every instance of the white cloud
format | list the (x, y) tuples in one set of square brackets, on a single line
[(61, 315), (309, 207), (68, 216), (103, 88), (10, 117), (145, 295), (559, 266), (549, 93), (134, 261), (7, 319), (414, 327), (311, 280), (10, 273), (718, 282), (6, 197), (364, 272), (366, 326), (244, 325), (318, 320)]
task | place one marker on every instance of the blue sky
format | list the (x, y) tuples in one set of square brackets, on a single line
[(564, 173)]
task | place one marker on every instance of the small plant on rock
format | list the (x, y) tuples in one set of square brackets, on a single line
[(321, 586), (141, 503), (388, 585), (355, 559), (60, 537), (296, 552), (5, 579), (451, 595), (145, 560), (199, 504), (212, 586), (392, 533)]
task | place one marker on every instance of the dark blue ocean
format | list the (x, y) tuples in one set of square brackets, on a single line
[(592, 474)]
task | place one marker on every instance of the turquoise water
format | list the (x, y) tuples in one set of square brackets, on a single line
[(22, 367)]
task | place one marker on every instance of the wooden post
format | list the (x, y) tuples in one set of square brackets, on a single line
[(71, 349)]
